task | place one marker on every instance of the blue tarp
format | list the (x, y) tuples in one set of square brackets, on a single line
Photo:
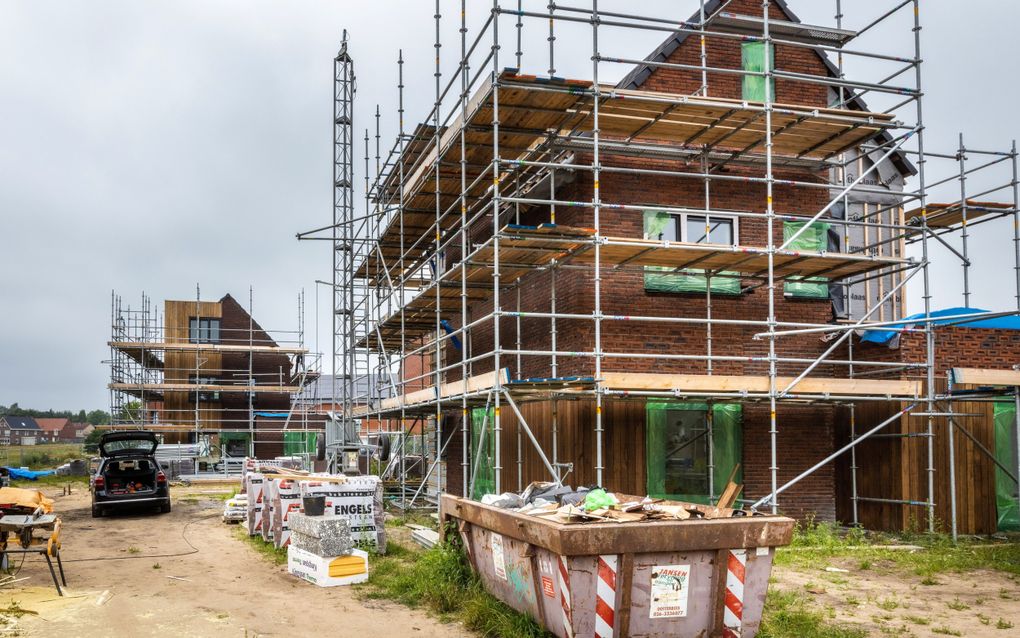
[(272, 415), (1000, 323), (17, 473)]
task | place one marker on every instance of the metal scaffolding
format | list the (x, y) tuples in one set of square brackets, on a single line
[(431, 274), (146, 355)]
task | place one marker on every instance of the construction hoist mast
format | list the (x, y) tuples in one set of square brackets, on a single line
[(344, 253)]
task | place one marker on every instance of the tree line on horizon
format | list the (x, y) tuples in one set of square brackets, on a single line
[(93, 417)]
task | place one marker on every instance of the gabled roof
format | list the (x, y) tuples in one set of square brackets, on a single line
[(21, 423), (52, 424), (637, 76)]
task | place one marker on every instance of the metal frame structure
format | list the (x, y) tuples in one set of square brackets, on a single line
[(412, 265), (138, 345)]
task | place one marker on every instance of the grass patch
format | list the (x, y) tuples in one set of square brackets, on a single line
[(787, 615), (44, 456), (264, 549), (958, 605), (1003, 624), (817, 542), (946, 631), (81, 482), (441, 581)]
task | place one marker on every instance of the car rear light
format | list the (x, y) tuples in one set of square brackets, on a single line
[(161, 478), (100, 483)]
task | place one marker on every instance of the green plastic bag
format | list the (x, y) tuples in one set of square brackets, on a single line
[(598, 499)]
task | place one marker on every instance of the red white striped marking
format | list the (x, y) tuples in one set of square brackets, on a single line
[(564, 578), (605, 597), (733, 612)]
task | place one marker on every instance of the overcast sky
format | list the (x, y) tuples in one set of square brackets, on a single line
[(152, 146)]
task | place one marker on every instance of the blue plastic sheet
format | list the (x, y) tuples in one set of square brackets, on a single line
[(18, 473), (1001, 323)]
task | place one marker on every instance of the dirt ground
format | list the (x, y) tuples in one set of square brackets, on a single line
[(119, 573), (884, 600)]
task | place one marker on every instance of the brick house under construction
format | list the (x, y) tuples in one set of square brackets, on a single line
[(208, 370), (626, 319)]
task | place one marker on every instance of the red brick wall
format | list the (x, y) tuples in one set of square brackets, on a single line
[(725, 53), (805, 433)]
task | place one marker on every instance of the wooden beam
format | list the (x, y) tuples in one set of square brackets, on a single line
[(984, 376), (473, 384), (758, 384), (162, 346), (203, 387)]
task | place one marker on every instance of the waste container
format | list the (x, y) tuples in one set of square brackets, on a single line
[(695, 577)]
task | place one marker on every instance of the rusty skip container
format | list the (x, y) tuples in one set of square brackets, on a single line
[(696, 577)]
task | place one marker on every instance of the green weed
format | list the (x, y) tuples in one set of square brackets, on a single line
[(441, 581), (264, 549), (787, 615)]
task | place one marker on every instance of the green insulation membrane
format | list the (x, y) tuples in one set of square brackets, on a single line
[(485, 479), (752, 58), (662, 226), (816, 238), (1005, 453), (677, 447), (298, 443)]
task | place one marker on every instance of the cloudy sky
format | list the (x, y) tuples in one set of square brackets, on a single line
[(152, 146)]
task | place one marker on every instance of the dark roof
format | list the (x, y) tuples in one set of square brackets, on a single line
[(321, 389), (21, 423), (637, 76)]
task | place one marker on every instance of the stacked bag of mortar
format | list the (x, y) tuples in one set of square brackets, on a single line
[(322, 552), (255, 483), (268, 493), (359, 499), (286, 501)]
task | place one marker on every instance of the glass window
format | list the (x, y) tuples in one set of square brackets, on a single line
[(660, 226), (710, 230), (203, 330), (204, 395)]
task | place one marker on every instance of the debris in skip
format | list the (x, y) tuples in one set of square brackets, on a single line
[(592, 562), (564, 504)]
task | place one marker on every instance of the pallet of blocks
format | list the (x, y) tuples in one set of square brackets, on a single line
[(322, 551), (357, 499)]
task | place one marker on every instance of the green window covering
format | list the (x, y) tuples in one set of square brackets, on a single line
[(235, 444), (1005, 453), (677, 448), (485, 479), (662, 226), (298, 443), (752, 58), (815, 238)]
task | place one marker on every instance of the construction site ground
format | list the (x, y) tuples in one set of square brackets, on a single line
[(189, 574), (121, 582)]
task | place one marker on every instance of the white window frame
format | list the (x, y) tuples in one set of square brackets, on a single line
[(681, 218)]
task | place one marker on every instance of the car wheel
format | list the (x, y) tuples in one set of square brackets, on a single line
[(97, 511), (165, 507)]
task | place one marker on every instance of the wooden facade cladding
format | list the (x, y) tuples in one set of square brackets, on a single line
[(180, 366)]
